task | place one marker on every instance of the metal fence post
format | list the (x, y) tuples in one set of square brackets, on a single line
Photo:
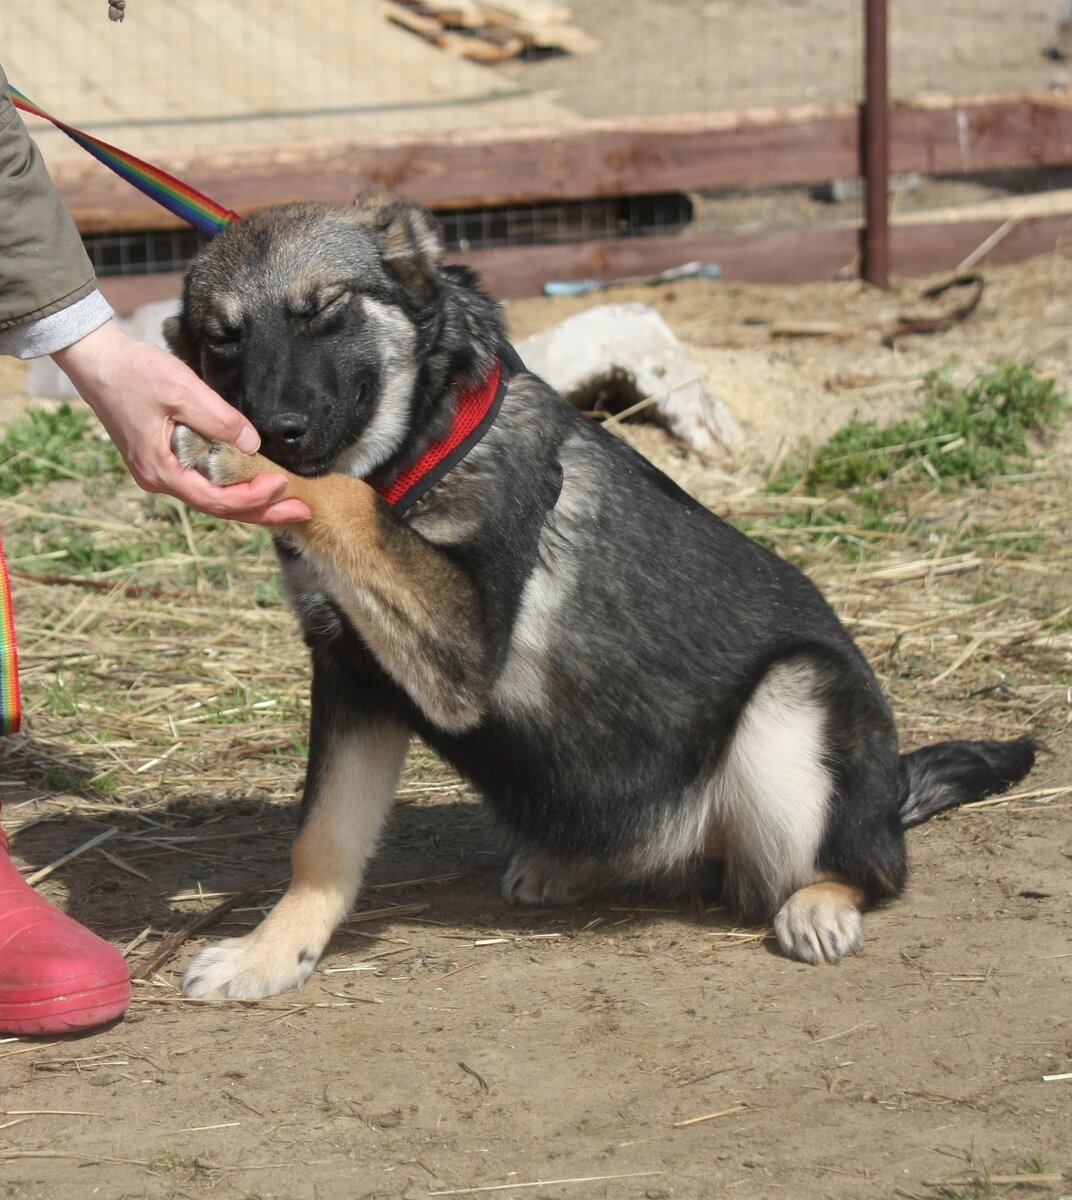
[(876, 146)]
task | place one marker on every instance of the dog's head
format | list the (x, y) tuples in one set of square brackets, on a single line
[(311, 320)]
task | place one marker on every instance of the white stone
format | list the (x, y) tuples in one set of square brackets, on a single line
[(633, 339)]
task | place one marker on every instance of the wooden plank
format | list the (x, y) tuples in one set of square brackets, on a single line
[(928, 249), (527, 12), (1057, 203), (598, 158), (779, 256), (413, 20), (541, 26), (474, 47), (457, 12), (803, 255), (986, 134), (567, 38), (491, 37)]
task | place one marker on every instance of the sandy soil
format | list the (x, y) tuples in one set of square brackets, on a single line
[(622, 1048), (773, 53)]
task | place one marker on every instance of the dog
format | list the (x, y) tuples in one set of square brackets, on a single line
[(638, 690)]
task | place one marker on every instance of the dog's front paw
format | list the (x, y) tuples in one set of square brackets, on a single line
[(544, 881), (820, 923), (219, 463), (247, 968)]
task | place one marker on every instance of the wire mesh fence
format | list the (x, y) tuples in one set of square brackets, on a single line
[(178, 84), (205, 75)]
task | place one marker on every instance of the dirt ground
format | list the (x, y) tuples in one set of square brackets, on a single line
[(625, 1047), (727, 54)]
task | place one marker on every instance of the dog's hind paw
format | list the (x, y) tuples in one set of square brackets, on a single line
[(545, 881), (247, 968), (821, 923), (219, 463)]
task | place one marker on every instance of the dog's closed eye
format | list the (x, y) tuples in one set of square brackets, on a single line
[(322, 302), (222, 335)]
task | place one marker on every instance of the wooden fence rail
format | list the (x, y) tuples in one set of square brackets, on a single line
[(619, 158), (759, 148)]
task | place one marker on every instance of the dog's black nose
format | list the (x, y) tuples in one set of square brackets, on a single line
[(286, 428)]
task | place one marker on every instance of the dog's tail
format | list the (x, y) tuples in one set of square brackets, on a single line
[(952, 773)]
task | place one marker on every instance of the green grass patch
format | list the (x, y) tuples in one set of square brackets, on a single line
[(153, 548), (858, 533), (59, 464), (242, 703), (46, 445), (962, 434)]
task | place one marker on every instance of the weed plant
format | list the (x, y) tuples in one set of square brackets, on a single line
[(45, 445), (871, 475), (87, 518), (962, 434)]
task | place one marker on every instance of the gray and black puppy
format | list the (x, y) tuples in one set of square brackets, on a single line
[(636, 688)]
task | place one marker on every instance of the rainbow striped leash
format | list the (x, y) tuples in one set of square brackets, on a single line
[(178, 198), (10, 702)]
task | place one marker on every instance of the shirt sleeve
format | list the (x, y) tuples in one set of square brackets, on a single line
[(48, 290), (62, 328)]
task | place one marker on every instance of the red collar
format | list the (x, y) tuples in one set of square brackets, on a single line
[(477, 406)]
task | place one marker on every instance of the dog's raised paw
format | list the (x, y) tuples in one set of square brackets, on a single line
[(190, 447), (219, 463), (248, 968)]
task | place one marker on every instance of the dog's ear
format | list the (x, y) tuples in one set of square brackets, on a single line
[(410, 241), (178, 340)]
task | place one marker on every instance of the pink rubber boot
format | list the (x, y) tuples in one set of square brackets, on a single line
[(55, 976)]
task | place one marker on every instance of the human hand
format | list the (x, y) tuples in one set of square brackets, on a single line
[(140, 392)]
